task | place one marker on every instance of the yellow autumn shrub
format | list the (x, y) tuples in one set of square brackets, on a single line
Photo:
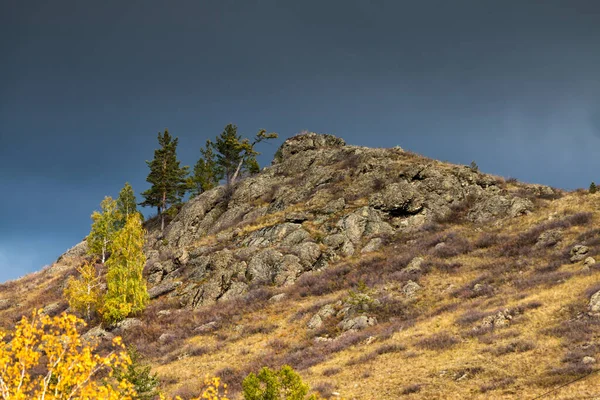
[(45, 358)]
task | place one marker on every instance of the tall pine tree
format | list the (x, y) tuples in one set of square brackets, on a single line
[(207, 173), (126, 287), (104, 228), (167, 177)]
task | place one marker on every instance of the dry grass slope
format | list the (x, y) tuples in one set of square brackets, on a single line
[(499, 315)]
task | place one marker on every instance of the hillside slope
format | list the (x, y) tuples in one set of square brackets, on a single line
[(376, 273)]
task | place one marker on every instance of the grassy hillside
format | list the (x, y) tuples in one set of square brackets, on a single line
[(492, 309)]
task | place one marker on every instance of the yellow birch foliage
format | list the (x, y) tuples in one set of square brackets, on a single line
[(127, 292), (104, 228), (45, 358), (83, 293)]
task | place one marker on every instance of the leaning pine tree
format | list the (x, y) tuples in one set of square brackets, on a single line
[(126, 287), (237, 155), (167, 177)]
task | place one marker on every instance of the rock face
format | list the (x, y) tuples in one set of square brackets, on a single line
[(319, 202), (79, 250)]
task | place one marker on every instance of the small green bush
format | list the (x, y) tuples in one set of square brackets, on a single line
[(284, 384)]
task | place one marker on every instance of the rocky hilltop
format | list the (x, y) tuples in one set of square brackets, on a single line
[(375, 273), (320, 201)]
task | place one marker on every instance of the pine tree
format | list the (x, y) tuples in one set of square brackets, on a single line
[(167, 177), (126, 203), (104, 228), (207, 173), (83, 293), (237, 155), (593, 188), (126, 287), (229, 151), (139, 376)]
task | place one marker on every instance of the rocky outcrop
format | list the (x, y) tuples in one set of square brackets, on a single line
[(307, 141), (549, 238), (320, 201), (399, 199), (496, 206), (79, 250)]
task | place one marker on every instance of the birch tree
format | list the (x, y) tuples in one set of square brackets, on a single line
[(126, 287), (104, 228), (83, 294)]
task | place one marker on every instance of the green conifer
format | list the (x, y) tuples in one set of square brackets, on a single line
[(236, 155), (207, 173), (167, 177)]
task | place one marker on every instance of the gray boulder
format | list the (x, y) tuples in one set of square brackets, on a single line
[(166, 338), (587, 360), (315, 322), (549, 238), (357, 323), (325, 312), (206, 328), (589, 261), (415, 264), (411, 289), (594, 305), (97, 333), (277, 298), (499, 320), (127, 324), (579, 252)]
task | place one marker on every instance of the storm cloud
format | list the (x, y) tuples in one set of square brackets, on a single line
[(513, 85)]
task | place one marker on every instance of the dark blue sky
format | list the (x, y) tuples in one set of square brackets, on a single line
[(86, 86)]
